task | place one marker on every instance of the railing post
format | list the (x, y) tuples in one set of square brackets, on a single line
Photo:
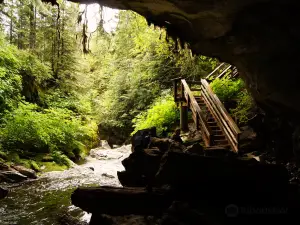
[(184, 117), (175, 88)]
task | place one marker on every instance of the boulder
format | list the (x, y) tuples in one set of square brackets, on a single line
[(141, 167), (195, 149), (4, 167), (3, 193), (25, 171), (105, 145), (163, 144), (131, 179), (11, 177), (141, 139)]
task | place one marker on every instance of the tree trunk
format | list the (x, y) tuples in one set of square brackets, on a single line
[(32, 19)]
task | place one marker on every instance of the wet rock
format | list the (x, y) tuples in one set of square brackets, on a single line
[(3, 193), (107, 175), (195, 149), (12, 177), (4, 167), (141, 139), (104, 144), (162, 144), (25, 171), (66, 219), (131, 179), (140, 167), (96, 153)]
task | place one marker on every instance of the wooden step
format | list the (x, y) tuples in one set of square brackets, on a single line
[(217, 132), (219, 137), (215, 128), (220, 142)]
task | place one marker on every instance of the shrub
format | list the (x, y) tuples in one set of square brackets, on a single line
[(162, 114), (61, 159), (29, 128), (244, 105), (34, 166), (227, 89)]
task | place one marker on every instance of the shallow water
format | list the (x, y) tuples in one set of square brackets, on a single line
[(39, 202)]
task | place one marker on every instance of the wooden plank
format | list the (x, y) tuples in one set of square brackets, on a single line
[(218, 67), (222, 124), (217, 115), (223, 73), (195, 89)]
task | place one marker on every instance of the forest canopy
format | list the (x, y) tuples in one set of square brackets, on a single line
[(63, 87)]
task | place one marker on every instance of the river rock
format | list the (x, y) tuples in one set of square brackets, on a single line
[(3, 193), (4, 167), (25, 171), (162, 144), (11, 177), (105, 145), (141, 139), (195, 149), (107, 175)]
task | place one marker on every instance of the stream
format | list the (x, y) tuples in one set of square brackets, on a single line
[(41, 201)]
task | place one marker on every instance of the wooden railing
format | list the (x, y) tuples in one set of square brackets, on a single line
[(221, 70), (222, 117), (183, 93)]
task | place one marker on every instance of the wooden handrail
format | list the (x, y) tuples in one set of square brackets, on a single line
[(221, 115), (215, 70), (197, 112)]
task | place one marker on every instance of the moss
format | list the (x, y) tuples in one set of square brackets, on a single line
[(14, 157), (52, 166), (3, 155), (25, 163), (34, 166), (47, 158)]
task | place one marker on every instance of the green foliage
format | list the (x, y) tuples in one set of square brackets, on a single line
[(61, 159), (29, 128), (34, 166), (244, 105), (226, 88), (10, 79), (162, 114), (133, 67), (3, 155), (234, 90), (53, 166)]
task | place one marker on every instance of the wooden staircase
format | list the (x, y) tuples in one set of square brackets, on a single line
[(219, 131)]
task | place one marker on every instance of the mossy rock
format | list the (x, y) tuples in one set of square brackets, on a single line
[(52, 166), (14, 157), (47, 158), (34, 166)]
